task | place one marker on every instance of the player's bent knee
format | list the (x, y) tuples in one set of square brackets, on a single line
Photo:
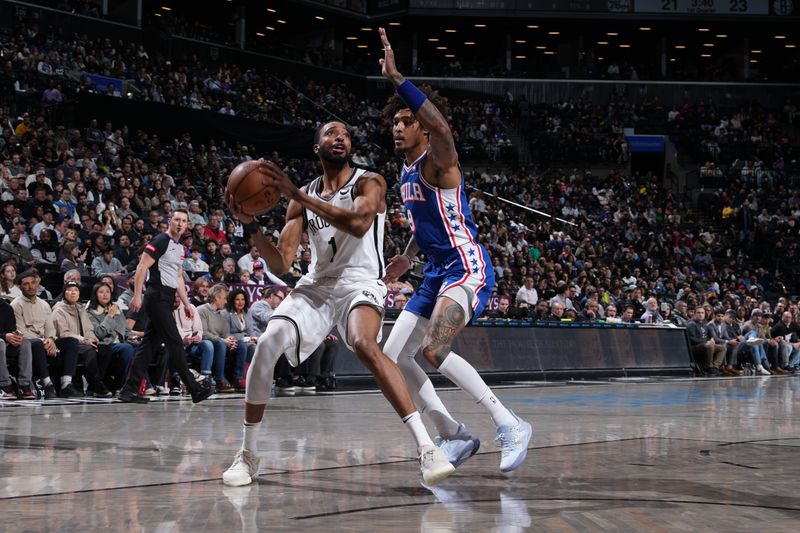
[(366, 349), (435, 354)]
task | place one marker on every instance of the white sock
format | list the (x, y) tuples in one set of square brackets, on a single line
[(445, 424), (417, 428), (465, 376), (46, 381), (65, 380), (425, 397), (401, 346), (500, 415), (251, 436)]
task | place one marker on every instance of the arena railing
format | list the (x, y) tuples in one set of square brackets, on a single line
[(670, 93)]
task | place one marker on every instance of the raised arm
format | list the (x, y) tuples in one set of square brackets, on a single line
[(441, 164)]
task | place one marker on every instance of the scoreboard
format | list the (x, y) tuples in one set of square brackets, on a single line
[(678, 7), (713, 7)]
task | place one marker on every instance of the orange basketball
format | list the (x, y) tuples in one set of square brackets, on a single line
[(247, 189)]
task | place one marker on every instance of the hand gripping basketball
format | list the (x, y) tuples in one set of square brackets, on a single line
[(250, 192)]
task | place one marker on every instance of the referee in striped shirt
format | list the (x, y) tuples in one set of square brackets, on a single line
[(162, 259)]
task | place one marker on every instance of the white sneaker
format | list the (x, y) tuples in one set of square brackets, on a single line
[(763, 371), (513, 441), (434, 465), (460, 446), (243, 469)]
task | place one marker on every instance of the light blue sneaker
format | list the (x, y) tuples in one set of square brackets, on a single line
[(460, 446), (513, 441)]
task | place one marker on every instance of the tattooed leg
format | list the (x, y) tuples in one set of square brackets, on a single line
[(447, 321)]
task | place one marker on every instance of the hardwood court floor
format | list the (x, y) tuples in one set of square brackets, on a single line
[(670, 455)]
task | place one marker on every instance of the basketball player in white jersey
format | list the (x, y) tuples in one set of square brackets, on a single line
[(344, 212)]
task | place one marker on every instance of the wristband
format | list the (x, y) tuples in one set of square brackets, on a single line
[(413, 97), (252, 227)]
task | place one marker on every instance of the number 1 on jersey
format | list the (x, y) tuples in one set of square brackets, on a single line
[(332, 242)]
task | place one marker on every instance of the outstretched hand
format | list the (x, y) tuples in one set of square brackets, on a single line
[(388, 65)]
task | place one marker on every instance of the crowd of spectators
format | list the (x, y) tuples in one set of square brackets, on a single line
[(754, 143), (51, 65), (86, 200)]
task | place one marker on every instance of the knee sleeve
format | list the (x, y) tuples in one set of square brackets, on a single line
[(279, 337), (406, 336)]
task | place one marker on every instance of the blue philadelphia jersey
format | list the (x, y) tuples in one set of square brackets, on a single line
[(445, 231)]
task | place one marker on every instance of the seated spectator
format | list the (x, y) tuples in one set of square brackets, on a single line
[(260, 276), (197, 348), (212, 254), (787, 333), (8, 287), (46, 248), (124, 252), (651, 314), (243, 329), (503, 308), (719, 331), (112, 332), (735, 340), (13, 249), (229, 275), (562, 297), (250, 259), (216, 328), (76, 335), (34, 321), (216, 274), (13, 345), (194, 264), (107, 263), (627, 315), (73, 276), (556, 312), (199, 293), (125, 298), (611, 314), (754, 331), (680, 315), (262, 309), (707, 354), (527, 293), (75, 259), (213, 232), (591, 313), (400, 301), (542, 310)]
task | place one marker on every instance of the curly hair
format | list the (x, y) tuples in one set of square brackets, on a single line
[(396, 103)]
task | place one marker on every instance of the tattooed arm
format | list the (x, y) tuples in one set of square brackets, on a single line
[(440, 167)]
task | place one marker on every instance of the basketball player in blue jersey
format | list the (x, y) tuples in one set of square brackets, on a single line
[(458, 276), (344, 212)]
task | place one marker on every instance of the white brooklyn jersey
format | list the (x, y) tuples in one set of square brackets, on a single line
[(336, 253)]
